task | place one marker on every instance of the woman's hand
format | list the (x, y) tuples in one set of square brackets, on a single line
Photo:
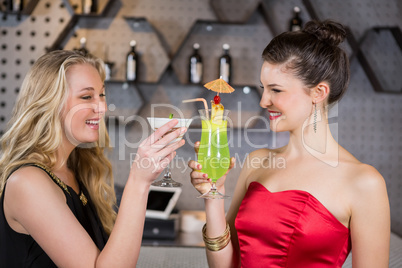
[(155, 152), (200, 180)]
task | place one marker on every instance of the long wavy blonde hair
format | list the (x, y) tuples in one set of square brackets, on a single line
[(35, 131)]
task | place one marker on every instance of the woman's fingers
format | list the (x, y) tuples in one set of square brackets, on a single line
[(194, 165), (165, 161), (197, 183), (232, 163), (198, 175), (196, 147), (169, 149), (169, 136), (158, 133)]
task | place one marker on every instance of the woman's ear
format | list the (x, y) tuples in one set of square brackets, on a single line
[(320, 92)]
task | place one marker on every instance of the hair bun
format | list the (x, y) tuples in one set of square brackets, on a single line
[(328, 31)]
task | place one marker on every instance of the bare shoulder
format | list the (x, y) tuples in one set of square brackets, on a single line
[(364, 184), (360, 176), (262, 155), (28, 178), (251, 163), (260, 152), (261, 160), (264, 152), (27, 187), (254, 161), (366, 179)]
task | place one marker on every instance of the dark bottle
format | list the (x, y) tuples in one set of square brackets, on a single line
[(225, 64), (296, 22), (15, 5), (83, 46), (89, 6), (108, 65), (132, 63), (195, 66)]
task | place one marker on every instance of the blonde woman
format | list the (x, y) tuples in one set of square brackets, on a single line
[(57, 196)]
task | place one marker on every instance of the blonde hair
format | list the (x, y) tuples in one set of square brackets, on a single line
[(35, 132)]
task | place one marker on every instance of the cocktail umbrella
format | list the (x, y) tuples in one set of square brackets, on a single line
[(219, 85)]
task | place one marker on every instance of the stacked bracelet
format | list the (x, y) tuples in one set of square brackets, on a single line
[(216, 243)]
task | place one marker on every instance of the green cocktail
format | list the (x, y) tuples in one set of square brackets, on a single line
[(213, 153)]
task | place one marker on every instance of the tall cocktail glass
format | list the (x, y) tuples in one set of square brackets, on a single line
[(213, 153), (155, 123)]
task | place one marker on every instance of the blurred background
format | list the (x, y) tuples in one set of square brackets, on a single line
[(367, 121)]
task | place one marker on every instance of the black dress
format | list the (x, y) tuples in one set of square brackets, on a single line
[(21, 250)]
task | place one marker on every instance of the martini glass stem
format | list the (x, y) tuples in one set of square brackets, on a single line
[(168, 174), (167, 180), (213, 187)]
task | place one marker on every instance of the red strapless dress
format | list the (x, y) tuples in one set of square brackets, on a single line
[(289, 229)]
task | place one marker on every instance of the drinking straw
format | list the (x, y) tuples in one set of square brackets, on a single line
[(199, 99)]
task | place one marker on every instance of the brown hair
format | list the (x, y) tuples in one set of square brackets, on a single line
[(313, 55)]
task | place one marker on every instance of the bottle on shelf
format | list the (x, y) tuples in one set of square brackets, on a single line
[(83, 49), (195, 66), (89, 6), (225, 64), (108, 65), (132, 63), (15, 5), (296, 22)]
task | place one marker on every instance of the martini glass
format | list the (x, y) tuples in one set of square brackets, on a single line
[(213, 153), (157, 122)]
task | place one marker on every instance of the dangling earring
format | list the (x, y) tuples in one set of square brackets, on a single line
[(315, 118)]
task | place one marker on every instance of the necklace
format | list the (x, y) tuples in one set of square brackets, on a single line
[(83, 198)]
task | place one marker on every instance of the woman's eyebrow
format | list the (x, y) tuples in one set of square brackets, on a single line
[(274, 85), (87, 89)]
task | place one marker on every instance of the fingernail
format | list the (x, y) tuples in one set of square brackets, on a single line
[(205, 175), (199, 167)]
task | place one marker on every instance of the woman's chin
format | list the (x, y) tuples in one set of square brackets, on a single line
[(274, 127)]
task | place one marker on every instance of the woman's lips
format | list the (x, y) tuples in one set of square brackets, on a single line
[(274, 115), (93, 123)]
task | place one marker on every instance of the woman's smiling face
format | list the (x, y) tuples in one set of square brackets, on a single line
[(284, 97), (85, 106)]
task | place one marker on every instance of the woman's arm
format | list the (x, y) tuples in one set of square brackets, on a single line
[(370, 220), (215, 214), (35, 205), (123, 247)]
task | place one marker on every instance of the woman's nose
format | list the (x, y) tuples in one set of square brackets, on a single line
[(101, 107), (265, 100)]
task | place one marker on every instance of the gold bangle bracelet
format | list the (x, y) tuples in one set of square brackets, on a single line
[(216, 243)]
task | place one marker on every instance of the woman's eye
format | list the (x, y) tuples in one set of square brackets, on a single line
[(86, 97), (261, 86), (102, 95), (276, 90)]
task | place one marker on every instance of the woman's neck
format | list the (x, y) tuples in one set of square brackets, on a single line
[(313, 139), (61, 169), (63, 153)]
